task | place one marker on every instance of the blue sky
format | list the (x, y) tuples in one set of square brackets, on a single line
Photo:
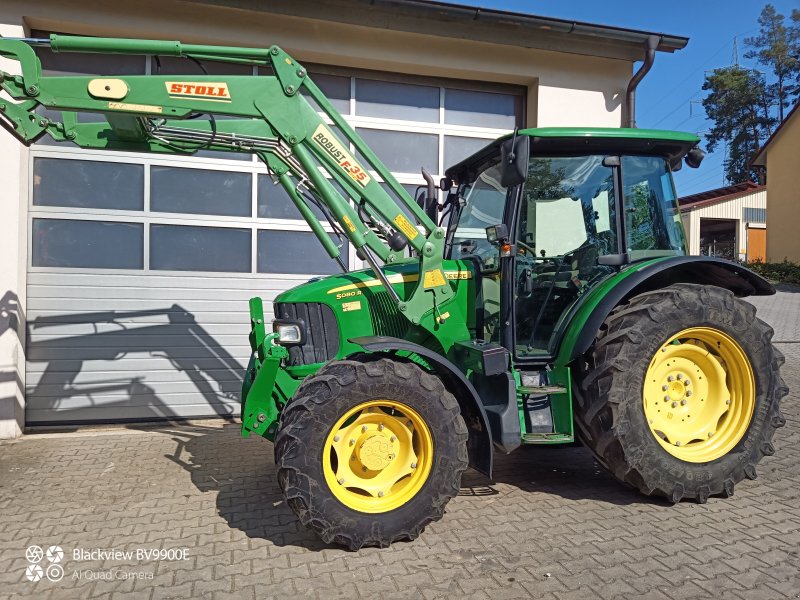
[(675, 80)]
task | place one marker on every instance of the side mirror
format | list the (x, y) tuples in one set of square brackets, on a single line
[(694, 158), (515, 153)]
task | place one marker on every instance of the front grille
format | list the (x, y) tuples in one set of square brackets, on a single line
[(321, 331)]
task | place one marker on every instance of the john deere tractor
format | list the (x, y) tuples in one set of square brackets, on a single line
[(540, 293)]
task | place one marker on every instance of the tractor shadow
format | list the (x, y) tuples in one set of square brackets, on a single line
[(243, 475), (567, 472)]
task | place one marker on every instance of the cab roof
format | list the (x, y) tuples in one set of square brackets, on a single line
[(672, 145)]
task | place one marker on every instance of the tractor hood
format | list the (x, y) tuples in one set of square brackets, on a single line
[(361, 307), (335, 289)]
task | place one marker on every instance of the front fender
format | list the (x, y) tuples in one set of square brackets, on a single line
[(479, 445), (589, 313)]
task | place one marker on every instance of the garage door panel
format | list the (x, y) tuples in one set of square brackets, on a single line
[(140, 393), (168, 377), (131, 366), (119, 410), (165, 296), (157, 281)]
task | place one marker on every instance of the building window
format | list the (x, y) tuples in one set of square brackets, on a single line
[(87, 244), (200, 192), (296, 252), (389, 100), (88, 184), (188, 248), (754, 215)]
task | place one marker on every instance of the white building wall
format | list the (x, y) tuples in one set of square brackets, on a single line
[(730, 209), (13, 167)]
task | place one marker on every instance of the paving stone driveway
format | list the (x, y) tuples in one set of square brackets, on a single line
[(552, 525)]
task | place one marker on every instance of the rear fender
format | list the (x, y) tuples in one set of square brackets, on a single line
[(592, 310)]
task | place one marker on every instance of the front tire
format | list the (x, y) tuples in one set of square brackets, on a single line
[(679, 397), (370, 452)]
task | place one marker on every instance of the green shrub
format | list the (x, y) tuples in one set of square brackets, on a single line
[(782, 272)]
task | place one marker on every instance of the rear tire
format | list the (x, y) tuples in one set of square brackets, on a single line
[(334, 416), (614, 410)]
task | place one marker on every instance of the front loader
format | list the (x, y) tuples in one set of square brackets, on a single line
[(540, 293)]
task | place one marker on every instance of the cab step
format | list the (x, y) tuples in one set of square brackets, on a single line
[(547, 438), (541, 390)]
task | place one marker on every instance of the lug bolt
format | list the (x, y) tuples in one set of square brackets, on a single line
[(352, 458), (261, 418), (687, 382), (666, 398), (710, 434), (677, 443), (664, 388), (364, 469), (670, 378), (680, 376), (409, 423), (674, 404), (413, 465), (363, 428), (380, 494), (728, 401), (683, 402), (393, 438), (688, 393), (352, 442), (663, 349), (650, 421), (341, 480), (380, 427), (336, 438)]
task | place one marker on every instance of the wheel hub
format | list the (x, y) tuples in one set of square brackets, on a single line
[(699, 394), (377, 456), (375, 452)]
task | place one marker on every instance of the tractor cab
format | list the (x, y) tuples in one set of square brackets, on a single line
[(547, 214)]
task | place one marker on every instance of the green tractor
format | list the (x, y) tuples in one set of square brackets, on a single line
[(540, 293)]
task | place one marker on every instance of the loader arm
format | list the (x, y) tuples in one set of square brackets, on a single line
[(271, 116)]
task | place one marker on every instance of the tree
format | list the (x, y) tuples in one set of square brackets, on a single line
[(738, 104), (776, 47), (794, 49)]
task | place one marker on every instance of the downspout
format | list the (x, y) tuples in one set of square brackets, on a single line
[(629, 116)]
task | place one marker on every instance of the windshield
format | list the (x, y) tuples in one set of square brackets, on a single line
[(484, 201), (652, 218)]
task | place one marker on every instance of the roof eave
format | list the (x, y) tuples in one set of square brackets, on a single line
[(445, 19)]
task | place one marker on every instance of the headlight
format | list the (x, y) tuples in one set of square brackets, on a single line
[(290, 333)]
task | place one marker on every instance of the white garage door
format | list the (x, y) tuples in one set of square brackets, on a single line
[(141, 266)]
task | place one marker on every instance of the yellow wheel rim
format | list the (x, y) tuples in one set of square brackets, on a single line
[(699, 394), (377, 456)]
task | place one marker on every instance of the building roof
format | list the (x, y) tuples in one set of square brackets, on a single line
[(448, 19), (760, 158), (718, 195)]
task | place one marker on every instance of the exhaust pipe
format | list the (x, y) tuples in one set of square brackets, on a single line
[(629, 115)]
